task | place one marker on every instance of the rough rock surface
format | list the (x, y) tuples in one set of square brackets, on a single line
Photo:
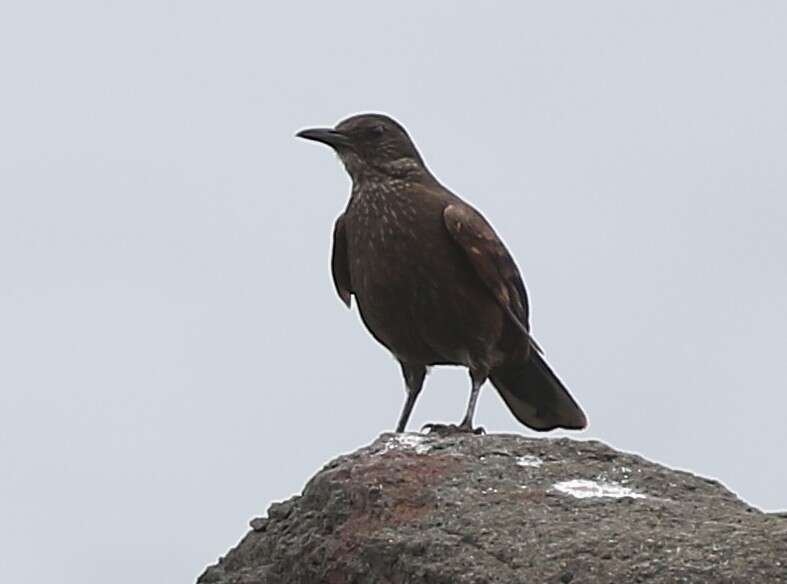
[(426, 509)]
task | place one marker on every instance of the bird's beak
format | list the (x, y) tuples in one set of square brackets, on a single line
[(327, 136)]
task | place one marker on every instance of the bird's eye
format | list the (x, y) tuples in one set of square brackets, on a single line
[(377, 130)]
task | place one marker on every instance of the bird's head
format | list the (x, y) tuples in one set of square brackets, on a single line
[(370, 143)]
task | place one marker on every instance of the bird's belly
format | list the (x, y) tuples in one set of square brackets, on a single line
[(420, 298)]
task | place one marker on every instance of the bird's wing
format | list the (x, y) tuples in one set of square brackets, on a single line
[(339, 265), (490, 259)]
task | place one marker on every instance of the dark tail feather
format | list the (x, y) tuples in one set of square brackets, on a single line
[(536, 396)]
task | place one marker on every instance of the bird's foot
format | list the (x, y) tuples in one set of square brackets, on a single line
[(449, 429)]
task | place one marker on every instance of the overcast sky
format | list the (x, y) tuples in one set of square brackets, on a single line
[(174, 357)]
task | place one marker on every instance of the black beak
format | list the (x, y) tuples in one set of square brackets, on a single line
[(327, 136)]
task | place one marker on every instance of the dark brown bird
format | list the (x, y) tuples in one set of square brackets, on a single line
[(432, 280)]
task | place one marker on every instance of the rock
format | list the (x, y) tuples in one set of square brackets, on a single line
[(280, 511), (425, 509)]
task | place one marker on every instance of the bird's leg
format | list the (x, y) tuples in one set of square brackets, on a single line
[(477, 377), (414, 380)]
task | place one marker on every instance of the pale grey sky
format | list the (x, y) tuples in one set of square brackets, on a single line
[(174, 355)]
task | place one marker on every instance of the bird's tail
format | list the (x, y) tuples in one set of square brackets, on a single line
[(536, 396)]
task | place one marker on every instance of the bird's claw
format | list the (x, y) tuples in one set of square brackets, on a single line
[(449, 429)]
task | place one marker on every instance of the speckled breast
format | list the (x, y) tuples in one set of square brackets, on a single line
[(415, 290)]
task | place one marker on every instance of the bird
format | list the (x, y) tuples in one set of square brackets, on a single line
[(432, 280)]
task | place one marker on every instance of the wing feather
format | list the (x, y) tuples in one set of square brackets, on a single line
[(339, 264), (490, 259)]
